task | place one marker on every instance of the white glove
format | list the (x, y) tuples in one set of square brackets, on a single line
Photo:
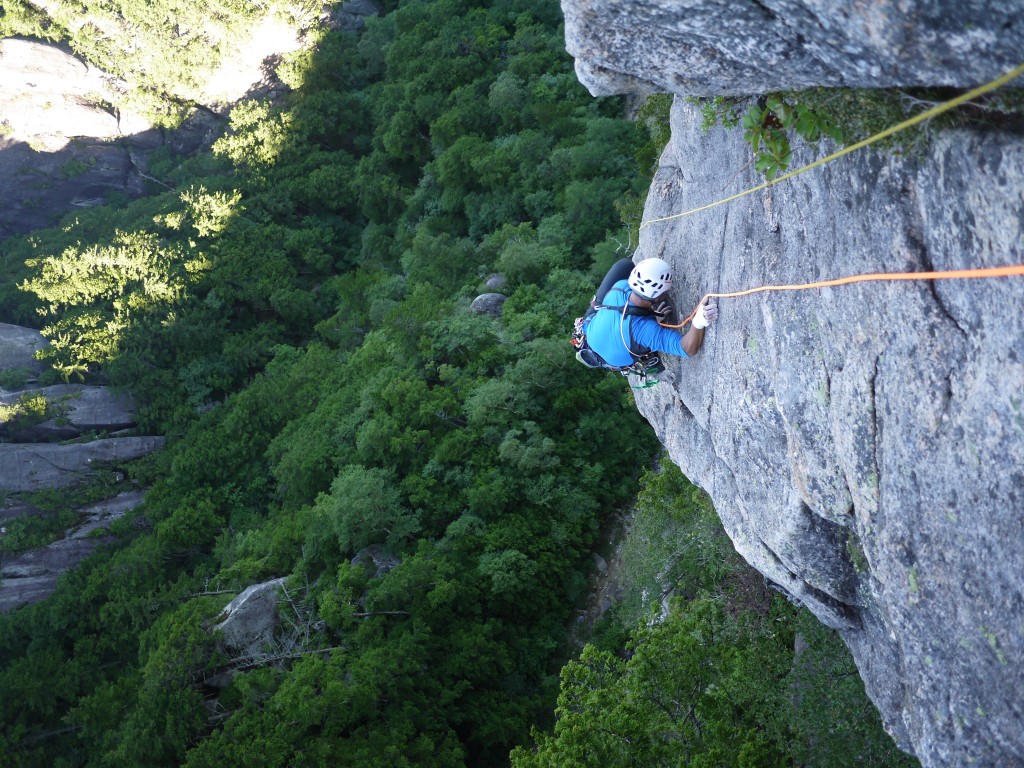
[(707, 313)]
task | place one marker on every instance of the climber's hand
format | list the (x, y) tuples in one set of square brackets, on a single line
[(707, 313), (662, 309)]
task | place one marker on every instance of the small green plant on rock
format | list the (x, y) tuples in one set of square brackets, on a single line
[(29, 410), (765, 129)]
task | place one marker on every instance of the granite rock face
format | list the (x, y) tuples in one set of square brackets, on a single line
[(864, 444), (712, 48), (18, 347), (81, 408), (36, 466)]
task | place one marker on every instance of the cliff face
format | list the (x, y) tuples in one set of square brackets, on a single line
[(710, 48), (64, 146), (863, 444), (60, 449)]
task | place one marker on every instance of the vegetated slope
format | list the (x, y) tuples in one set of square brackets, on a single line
[(294, 316), (700, 663)]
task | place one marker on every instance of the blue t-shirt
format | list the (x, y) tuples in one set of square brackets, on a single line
[(609, 333)]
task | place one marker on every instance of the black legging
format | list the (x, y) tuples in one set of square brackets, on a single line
[(620, 271)]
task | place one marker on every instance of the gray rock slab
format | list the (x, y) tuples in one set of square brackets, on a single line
[(864, 444), (708, 47), (32, 576), (103, 513), (12, 510), (82, 408), (35, 466)]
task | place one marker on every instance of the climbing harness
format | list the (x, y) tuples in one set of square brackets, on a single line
[(643, 366)]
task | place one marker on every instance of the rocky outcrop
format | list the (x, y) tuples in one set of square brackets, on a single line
[(37, 466), (863, 444), (77, 409), (57, 449), (351, 16), (32, 576), (710, 48), (63, 146)]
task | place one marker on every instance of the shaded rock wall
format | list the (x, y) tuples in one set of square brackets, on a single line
[(64, 145), (732, 47), (32, 576), (58, 453), (864, 445)]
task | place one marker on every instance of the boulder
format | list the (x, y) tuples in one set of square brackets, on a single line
[(863, 444), (495, 282), (248, 623), (488, 304), (707, 48), (33, 467)]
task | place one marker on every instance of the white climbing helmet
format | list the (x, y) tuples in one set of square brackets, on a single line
[(651, 278)]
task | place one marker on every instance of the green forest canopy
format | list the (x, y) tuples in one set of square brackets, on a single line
[(294, 317)]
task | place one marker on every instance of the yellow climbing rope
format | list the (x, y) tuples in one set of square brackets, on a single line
[(1014, 269), (919, 118)]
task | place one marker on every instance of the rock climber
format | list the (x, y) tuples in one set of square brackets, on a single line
[(623, 323)]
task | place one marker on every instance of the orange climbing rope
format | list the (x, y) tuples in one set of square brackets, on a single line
[(1015, 269), (949, 274)]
